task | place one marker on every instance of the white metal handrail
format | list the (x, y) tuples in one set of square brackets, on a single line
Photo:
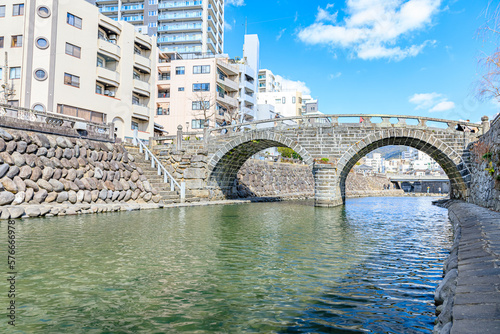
[(167, 177)]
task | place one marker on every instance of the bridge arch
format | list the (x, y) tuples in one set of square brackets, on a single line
[(451, 162), (224, 165)]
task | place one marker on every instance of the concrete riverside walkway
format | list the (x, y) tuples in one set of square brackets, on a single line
[(476, 307)]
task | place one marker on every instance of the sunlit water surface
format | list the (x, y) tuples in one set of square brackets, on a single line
[(288, 267)]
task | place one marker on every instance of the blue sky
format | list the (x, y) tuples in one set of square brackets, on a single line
[(413, 57)]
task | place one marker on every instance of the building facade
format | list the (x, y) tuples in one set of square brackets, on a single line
[(268, 82), (65, 57), (249, 66), (186, 27), (196, 93), (286, 103)]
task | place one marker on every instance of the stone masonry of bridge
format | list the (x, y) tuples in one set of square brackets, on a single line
[(219, 157)]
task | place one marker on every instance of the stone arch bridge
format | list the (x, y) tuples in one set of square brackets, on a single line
[(331, 145)]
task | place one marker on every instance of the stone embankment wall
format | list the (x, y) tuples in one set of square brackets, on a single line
[(42, 169), (485, 164)]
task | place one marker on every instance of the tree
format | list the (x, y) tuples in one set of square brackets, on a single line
[(203, 108), (488, 87), (289, 153)]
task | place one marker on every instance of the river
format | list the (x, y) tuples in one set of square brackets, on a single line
[(369, 267)]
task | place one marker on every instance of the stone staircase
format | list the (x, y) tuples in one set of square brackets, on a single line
[(156, 180)]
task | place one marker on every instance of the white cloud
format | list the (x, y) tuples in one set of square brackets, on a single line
[(236, 3), (227, 26), (372, 28), (287, 84), (282, 31), (335, 76), (443, 106), (433, 102)]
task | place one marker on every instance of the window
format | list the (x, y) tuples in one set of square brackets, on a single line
[(98, 89), (73, 50), (201, 69), (153, 13), (18, 9), (137, 75), (17, 41), (153, 2), (43, 11), (277, 101), (1, 73), (1, 42), (15, 73), (284, 100), (179, 70), (152, 24), (293, 99), (39, 107), (89, 115), (181, 89), (135, 126), (71, 80), (136, 100), (74, 21), (2, 11), (40, 74), (201, 87), (42, 43), (201, 105), (137, 51), (100, 62), (199, 123)]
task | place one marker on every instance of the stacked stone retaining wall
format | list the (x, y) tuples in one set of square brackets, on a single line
[(43, 169), (485, 173)]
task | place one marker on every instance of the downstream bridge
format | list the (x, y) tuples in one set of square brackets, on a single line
[(331, 145)]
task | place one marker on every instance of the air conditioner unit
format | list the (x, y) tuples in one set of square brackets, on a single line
[(112, 94), (112, 37), (106, 92)]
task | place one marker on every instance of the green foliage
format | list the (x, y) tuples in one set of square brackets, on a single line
[(490, 168), (325, 159), (289, 153), (488, 156)]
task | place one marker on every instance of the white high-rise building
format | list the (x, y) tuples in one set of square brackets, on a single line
[(249, 66), (185, 27)]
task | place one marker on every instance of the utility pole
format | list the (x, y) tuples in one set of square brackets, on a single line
[(8, 90)]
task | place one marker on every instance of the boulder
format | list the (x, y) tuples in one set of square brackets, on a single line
[(115, 196), (19, 198), (51, 197), (25, 172), (11, 147), (67, 153), (4, 169), (6, 197), (72, 197), (31, 184), (19, 183), (98, 173), (60, 163), (103, 194), (134, 176), (13, 171), (47, 173), (5, 135), (30, 160), (57, 174), (87, 198), (74, 163), (19, 159), (62, 197), (9, 185), (3, 146), (6, 157), (51, 153), (147, 186), (36, 174), (29, 194), (31, 149), (56, 185), (40, 140), (41, 152), (80, 184), (71, 175), (128, 195), (80, 195), (21, 146), (33, 211), (40, 196), (148, 197), (16, 212), (73, 186), (95, 195), (45, 185)]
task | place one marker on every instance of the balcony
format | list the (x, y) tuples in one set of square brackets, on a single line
[(142, 87), (108, 9), (133, 8), (180, 39), (227, 100), (180, 16), (163, 98), (229, 69), (109, 77), (142, 63), (109, 49), (181, 27), (133, 18), (249, 87), (228, 84), (141, 111), (180, 4), (144, 41)]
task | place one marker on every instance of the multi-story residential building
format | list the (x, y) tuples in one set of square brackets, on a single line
[(65, 57), (310, 106), (248, 65), (286, 103), (186, 27), (196, 93), (268, 82)]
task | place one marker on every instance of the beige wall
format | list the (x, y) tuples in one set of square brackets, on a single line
[(52, 91), (181, 102)]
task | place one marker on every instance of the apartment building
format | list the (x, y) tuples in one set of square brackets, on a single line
[(286, 103), (268, 82), (185, 27), (65, 57), (196, 93), (248, 66)]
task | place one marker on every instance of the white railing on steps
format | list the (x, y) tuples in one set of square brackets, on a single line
[(167, 177)]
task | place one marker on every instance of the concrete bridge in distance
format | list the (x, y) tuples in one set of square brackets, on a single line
[(331, 145)]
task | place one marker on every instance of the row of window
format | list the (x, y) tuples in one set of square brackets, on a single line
[(197, 69), (17, 10), (16, 41)]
